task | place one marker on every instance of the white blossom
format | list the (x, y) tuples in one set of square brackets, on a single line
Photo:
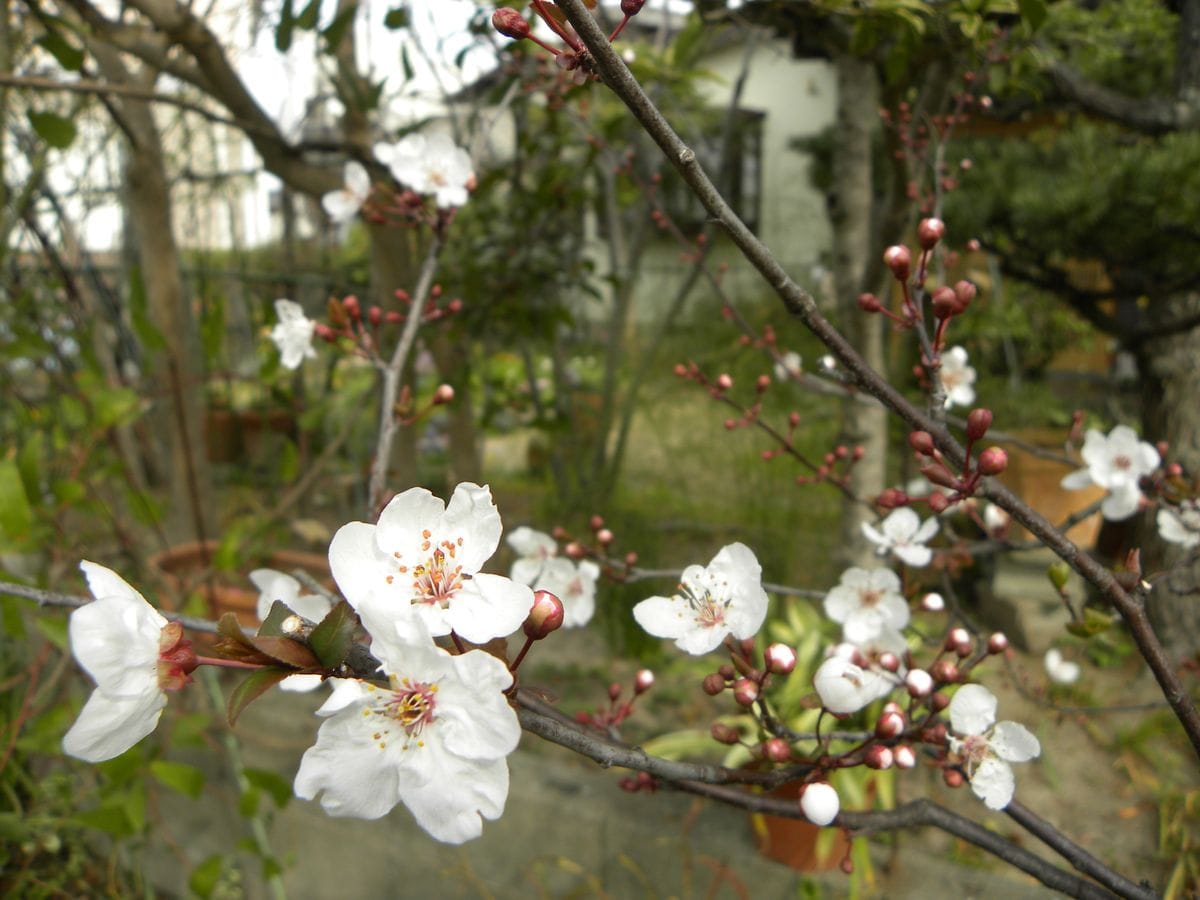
[(788, 366), (903, 534), (995, 519), (820, 803), (435, 738), (533, 548), (726, 597), (424, 557), (866, 603), (958, 378), (430, 164), (280, 586), (293, 334), (846, 687), (1180, 525), (133, 654), (987, 746), (1116, 463), (1060, 670), (344, 203)]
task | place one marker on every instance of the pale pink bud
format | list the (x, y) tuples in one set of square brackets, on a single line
[(932, 602), (724, 381), (745, 692), (777, 750), (919, 683), (964, 292), (510, 23), (993, 461), (604, 536), (596, 523), (997, 643), (643, 681), (890, 725), (545, 617), (944, 671), (780, 659), (952, 777), (898, 258), (575, 550), (889, 662), (904, 756), (929, 232), (444, 394), (956, 637), (819, 803), (878, 757)]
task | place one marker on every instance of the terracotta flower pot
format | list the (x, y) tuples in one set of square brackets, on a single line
[(187, 568), (793, 842)]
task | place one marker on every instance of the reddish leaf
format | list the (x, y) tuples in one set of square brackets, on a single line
[(251, 689)]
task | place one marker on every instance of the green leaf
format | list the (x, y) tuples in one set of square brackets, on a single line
[(181, 777), (248, 806), (1033, 12), (286, 651), (1094, 622), (203, 880), (336, 30), (68, 56), (332, 638), (16, 515), (53, 129), (251, 689), (396, 18), (1058, 573), (110, 818), (276, 786), (272, 625), (283, 32)]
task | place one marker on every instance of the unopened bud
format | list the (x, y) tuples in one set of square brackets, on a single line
[(890, 498), (869, 303), (919, 683), (632, 7), (997, 643), (929, 232), (631, 558), (904, 756), (955, 637), (936, 733), (819, 803), (993, 461), (745, 692), (604, 536), (375, 316), (889, 662), (921, 442), (780, 659), (944, 671), (777, 750), (932, 602), (724, 734), (324, 332), (510, 23), (890, 725), (713, 684), (724, 381), (443, 395), (944, 303), (899, 260), (878, 757), (643, 681), (979, 420), (952, 777), (938, 502), (574, 550), (614, 692), (545, 616), (351, 306), (964, 292)]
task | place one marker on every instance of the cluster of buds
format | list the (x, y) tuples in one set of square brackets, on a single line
[(610, 716), (613, 564), (572, 59), (348, 319), (933, 465)]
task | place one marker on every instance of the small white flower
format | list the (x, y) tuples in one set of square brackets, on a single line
[(1116, 463), (533, 548), (574, 584), (905, 535), (958, 378), (1061, 671), (343, 204), (788, 366), (435, 739), (995, 519), (828, 362), (1180, 525), (820, 803), (987, 746), (845, 687), (866, 603), (430, 164), (280, 586), (725, 598), (293, 334), (424, 557), (133, 654)]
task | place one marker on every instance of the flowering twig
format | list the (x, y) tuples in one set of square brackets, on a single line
[(801, 304)]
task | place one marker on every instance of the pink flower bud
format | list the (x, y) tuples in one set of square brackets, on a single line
[(919, 683), (763, 382), (904, 756), (545, 617), (375, 316), (973, 245), (643, 681), (724, 734), (324, 332), (955, 637), (780, 659), (574, 550), (604, 536), (443, 395), (921, 442), (929, 232), (944, 303), (724, 382), (964, 292), (745, 692), (889, 662), (869, 303), (890, 498), (952, 777), (993, 461), (351, 306), (939, 502), (979, 420), (898, 258), (632, 7), (890, 725), (997, 643), (944, 672), (614, 692), (935, 734), (510, 23), (777, 750), (713, 684), (819, 803), (596, 523), (878, 757), (932, 602), (631, 559)]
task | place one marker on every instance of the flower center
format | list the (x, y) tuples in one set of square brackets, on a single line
[(710, 612), (437, 579), (176, 658), (974, 750), (410, 705), (869, 598), (1122, 462)]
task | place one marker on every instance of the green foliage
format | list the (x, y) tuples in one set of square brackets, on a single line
[(57, 131)]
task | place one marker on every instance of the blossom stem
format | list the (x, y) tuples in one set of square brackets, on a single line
[(516, 663), (458, 642)]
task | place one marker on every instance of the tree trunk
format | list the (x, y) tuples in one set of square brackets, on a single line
[(1170, 382), (863, 424)]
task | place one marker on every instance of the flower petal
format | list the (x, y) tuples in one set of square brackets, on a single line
[(274, 586), (1078, 480), (115, 639), (352, 773), (472, 515), (452, 804), (1121, 503), (993, 783), (663, 617), (1013, 742), (972, 709), (915, 555), (108, 726), (487, 606)]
